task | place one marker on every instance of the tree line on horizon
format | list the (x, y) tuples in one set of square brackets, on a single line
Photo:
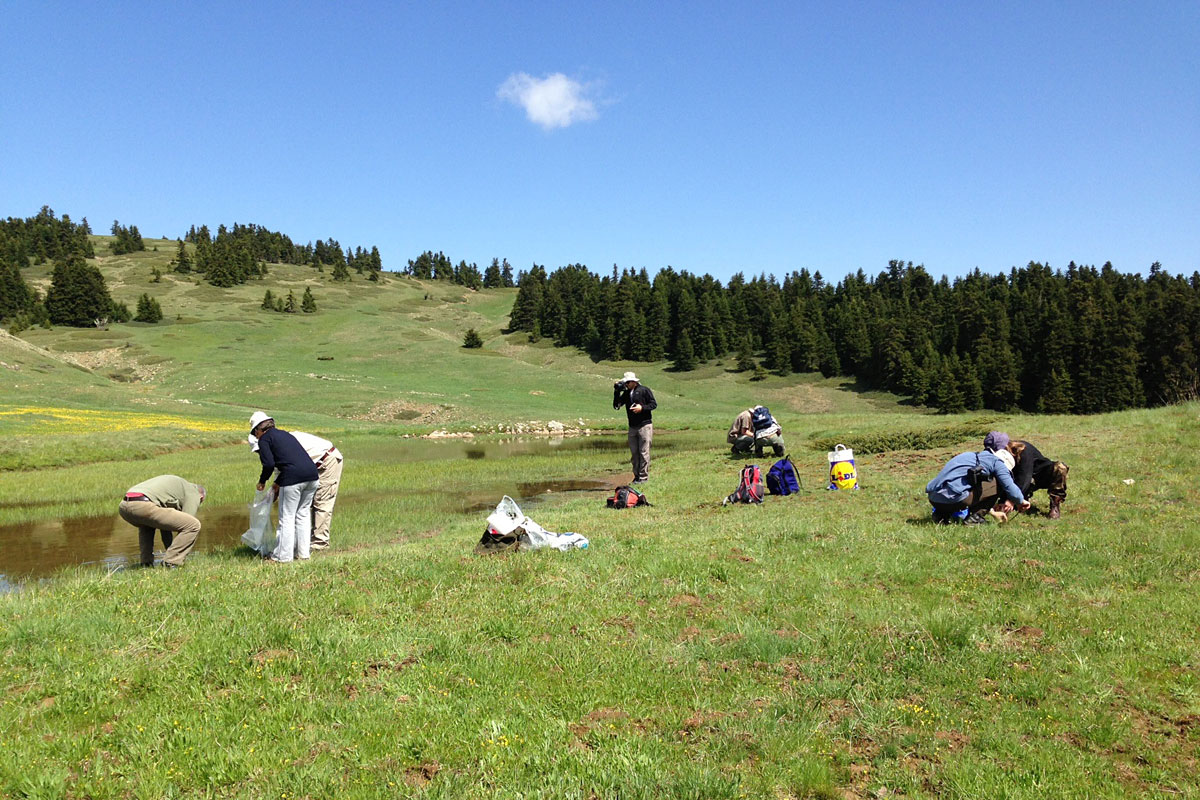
[(241, 252), (1083, 340), (437, 267), (78, 295)]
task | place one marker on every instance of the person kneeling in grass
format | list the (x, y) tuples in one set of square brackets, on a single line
[(1034, 471), (973, 481)]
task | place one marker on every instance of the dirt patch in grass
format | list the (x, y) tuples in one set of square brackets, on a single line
[(115, 361), (420, 776), (1024, 636), (267, 656), (377, 667), (402, 410)]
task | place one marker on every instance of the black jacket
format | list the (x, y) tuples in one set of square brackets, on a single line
[(640, 394), (278, 449), (1032, 464)]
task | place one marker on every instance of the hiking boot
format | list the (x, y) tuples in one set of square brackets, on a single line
[(1055, 508), (640, 480), (975, 519)]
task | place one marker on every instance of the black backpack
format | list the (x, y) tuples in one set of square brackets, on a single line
[(750, 487), (627, 497), (761, 418)]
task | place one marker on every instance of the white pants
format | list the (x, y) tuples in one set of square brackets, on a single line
[(295, 521)]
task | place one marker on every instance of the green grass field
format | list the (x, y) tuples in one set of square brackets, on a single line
[(832, 645)]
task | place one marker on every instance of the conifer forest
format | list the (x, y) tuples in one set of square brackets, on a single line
[(1076, 340)]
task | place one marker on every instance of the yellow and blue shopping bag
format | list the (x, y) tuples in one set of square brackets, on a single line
[(843, 474)]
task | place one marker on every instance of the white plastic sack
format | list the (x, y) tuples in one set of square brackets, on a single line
[(536, 537), (261, 535), (508, 518)]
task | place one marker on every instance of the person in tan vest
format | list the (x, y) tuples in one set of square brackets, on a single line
[(168, 504), (329, 477)]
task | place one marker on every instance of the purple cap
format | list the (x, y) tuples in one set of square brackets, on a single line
[(995, 441)]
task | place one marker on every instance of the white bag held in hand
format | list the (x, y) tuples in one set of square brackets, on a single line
[(261, 535), (508, 518)]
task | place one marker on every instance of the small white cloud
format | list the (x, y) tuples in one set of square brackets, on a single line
[(554, 101)]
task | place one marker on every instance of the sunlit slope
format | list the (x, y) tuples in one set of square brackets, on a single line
[(387, 352)]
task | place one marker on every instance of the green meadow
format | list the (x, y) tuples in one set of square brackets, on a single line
[(825, 645)]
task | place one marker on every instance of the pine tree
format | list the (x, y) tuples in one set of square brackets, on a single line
[(340, 273), (268, 301), (947, 393), (148, 310), (1057, 391), (472, 340), (289, 305), (15, 296), (781, 350), (745, 356), (78, 295), (308, 303), (967, 379), (685, 356), (491, 276)]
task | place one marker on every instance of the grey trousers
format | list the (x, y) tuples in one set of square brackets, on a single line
[(179, 530), (639, 450), (295, 521), (329, 477), (745, 443)]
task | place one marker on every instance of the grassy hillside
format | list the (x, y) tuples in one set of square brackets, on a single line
[(830, 645), (387, 353)]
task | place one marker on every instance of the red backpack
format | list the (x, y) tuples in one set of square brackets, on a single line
[(627, 497), (750, 488)]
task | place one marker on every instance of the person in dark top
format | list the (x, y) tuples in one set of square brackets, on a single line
[(1034, 471), (639, 402), (296, 484)]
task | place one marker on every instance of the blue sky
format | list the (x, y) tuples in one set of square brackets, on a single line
[(712, 137)]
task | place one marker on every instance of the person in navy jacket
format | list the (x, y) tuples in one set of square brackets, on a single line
[(295, 485)]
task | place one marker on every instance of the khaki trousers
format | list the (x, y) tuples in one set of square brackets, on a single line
[(329, 477), (179, 530), (639, 450)]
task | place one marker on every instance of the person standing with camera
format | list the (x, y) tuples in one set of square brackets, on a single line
[(639, 402)]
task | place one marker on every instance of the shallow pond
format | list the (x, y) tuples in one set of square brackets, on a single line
[(33, 550)]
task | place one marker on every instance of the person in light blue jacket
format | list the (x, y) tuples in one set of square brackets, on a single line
[(953, 490)]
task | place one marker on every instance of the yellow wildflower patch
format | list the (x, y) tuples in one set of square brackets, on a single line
[(42, 420)]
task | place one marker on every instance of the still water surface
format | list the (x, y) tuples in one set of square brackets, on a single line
[(33, 550)]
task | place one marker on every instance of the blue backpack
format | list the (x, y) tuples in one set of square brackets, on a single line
[(761, 418), (782, 477)]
